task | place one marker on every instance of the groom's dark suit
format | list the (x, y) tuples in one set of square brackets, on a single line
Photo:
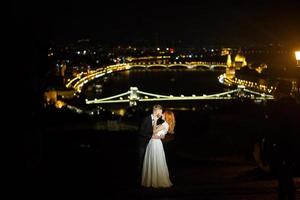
[(144, 136)]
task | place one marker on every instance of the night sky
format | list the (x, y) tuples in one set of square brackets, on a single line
[(202, 22)]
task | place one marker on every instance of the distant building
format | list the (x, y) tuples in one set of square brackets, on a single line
[(53, 96), (240, 61), (50, 96), (225, 51), (62, 70), (230, 69)]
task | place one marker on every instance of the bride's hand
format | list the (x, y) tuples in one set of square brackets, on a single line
[(158, 128)]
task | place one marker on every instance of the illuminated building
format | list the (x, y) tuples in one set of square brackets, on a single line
[(239, 61), (230, 69)]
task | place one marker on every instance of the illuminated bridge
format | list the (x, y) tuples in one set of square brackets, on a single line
[(133, 96), (192, 65), (80, 80)]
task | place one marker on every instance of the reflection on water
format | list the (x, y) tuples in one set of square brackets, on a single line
[(166, 82)]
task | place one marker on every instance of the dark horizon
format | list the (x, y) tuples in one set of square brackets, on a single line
[(161, 22)]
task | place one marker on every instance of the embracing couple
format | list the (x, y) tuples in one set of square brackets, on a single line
[(152, 161)]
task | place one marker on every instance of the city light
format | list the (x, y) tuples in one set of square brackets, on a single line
[(297, 54), (59, 104)]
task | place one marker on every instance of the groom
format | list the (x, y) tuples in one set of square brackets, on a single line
[(145, 134)]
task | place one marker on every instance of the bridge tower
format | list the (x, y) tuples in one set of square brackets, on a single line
[(133, 97)]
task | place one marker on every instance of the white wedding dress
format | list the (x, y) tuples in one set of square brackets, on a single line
[(155, 171)]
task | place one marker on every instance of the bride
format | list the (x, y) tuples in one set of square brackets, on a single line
[(155, 171)]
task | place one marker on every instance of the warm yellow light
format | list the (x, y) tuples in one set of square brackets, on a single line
[(122, 112), (297, 54), (59, 104)]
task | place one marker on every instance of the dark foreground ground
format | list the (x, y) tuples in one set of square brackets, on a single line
[(209, 157), (83, 169)]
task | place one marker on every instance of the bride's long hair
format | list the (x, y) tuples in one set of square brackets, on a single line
[(170, 119)]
